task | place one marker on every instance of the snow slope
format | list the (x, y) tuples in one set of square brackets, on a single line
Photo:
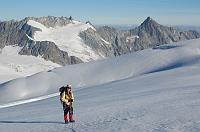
[(66, 38), (154, 90), (155, 102), (100, 72), (13, 65)]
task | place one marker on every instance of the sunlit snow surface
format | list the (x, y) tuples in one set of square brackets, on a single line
[(66, 38), (13, 65), (154, 90)]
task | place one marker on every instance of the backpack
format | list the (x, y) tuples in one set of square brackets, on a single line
[(61, 90)]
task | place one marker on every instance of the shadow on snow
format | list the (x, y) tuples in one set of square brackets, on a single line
[(34, 122)]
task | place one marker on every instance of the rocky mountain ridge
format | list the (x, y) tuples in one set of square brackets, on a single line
[(21, 34), (105, 41), (147, 35)]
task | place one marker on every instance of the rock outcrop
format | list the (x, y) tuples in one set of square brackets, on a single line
[(147, 35), (21, 34)]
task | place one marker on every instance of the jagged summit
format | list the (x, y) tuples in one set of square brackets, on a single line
[(151, 33), (51, 21), (149, 22), (92, 25), (149, 18)]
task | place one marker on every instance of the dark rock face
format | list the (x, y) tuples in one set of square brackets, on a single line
[(116, 38), (147, 35), (10, 34), (151, 33), (75, 60), (47, 50), (94, 41)]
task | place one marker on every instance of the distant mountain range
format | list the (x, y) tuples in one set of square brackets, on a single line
[(132, 26), (186, 28), (63, 40), (119, 26)]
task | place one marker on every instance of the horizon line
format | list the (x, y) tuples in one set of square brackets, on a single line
[(97, 24)]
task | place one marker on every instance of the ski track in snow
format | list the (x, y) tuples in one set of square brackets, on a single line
[(28, 100), (161, 95)]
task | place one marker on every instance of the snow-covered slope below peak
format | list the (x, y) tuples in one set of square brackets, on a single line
[(66, 38), (166, 101), (158, 59), (13, 65)]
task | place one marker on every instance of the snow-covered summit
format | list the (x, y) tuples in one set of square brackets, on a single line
[(51, 21), (66, 38)]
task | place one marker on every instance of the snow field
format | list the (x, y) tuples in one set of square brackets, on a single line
[(153, 90), (67, 39)]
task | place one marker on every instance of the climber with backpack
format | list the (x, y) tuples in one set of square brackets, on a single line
[(67, 99)]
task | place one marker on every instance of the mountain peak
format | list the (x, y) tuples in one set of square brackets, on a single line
[(51, 21), (149, 21), (149, 18)]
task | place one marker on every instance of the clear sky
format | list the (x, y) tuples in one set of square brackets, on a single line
[(170, 12)]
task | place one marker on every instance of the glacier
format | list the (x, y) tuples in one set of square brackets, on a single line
[(151, 90)]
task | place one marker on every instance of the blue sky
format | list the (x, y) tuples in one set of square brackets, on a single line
[(168, 12)]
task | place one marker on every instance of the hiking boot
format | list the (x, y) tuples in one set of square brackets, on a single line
[(66, 122), (71, 118), (72, 121)]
